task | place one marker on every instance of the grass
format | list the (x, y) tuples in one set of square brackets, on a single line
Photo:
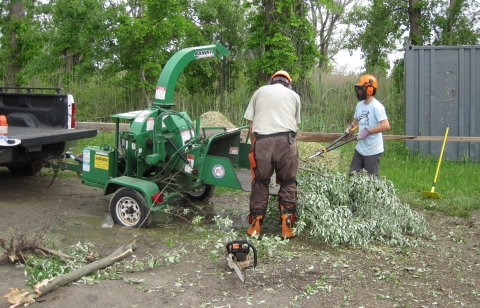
[(413, 174)]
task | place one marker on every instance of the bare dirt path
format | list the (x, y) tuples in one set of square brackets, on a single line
[(444, 272)]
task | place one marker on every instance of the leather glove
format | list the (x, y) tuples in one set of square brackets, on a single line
[(349, 127), (363, 134)]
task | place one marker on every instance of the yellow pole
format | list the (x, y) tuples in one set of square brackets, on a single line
[(440, 160)]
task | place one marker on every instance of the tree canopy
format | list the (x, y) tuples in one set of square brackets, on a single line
[(128, 42)]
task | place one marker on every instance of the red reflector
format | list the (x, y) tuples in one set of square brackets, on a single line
[(157, 198), (74, 111)]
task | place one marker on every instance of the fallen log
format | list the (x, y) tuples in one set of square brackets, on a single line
[(16, 298), (329, 137), (49, 285), (301, 136)]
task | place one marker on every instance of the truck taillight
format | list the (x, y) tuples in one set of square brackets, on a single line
[(74, 111), (157, 198)]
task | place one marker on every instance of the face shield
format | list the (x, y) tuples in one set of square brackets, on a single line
[(361, 92)]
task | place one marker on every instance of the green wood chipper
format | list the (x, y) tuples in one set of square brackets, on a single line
[(163, 154)]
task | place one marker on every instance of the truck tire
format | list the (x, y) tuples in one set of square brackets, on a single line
[(128, 208), (204, 193)]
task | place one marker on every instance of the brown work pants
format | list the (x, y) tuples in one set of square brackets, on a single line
[(274, 154)]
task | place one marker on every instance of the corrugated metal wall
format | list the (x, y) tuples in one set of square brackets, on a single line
[(442, 87)]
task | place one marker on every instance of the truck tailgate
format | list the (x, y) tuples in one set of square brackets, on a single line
[(48, 135)]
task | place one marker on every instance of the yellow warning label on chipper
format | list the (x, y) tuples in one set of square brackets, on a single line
[(101, 162)]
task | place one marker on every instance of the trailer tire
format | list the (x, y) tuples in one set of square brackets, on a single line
[(128, 208), (202, 194)]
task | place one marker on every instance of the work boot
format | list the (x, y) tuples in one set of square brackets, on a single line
[(255, 222), (287, 216)]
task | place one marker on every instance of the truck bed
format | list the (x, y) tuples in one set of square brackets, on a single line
[(48, 135)]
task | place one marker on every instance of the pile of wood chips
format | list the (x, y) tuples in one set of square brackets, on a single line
[(215, 119)]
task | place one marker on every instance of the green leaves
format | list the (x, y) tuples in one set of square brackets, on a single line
[(355, 211), (281, 37)]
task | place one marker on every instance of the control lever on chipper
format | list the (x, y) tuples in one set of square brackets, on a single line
[(238, 256)]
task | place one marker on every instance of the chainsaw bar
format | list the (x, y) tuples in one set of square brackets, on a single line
[(235, 267)]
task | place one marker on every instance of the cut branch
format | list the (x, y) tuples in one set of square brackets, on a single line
[(49, 285), (16, 298)]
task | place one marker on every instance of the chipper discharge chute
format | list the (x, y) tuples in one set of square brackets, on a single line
[(164, 154)]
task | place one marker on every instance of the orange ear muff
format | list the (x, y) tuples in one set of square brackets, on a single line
[(370, 90)]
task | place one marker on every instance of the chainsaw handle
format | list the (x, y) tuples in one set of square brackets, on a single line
[(241, 243)]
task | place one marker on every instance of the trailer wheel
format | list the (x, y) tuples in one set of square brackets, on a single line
[(202, 194), (128, 208)]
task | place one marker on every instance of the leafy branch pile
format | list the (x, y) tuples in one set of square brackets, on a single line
[(354, 210)]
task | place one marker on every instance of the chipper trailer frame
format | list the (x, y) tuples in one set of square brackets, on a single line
[(163, 154)]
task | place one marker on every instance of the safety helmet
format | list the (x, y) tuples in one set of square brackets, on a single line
[(281, 76), (368, 80), (367, 85)]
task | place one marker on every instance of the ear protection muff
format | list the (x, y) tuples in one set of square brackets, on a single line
[(370, 89)]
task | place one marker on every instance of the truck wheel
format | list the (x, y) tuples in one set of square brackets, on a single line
[(128, 208), (203, 193)]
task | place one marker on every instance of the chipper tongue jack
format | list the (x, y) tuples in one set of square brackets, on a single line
[(334, 144), (238, 256)]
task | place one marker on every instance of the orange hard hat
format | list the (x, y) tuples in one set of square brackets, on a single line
[(283, 74), (368, 80)]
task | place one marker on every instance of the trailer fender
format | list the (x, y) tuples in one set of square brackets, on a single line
[(147, 188)]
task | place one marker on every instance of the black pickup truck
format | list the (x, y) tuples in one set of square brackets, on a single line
[(40, 122)]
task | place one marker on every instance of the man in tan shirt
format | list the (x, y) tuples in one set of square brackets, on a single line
[(274, 114)]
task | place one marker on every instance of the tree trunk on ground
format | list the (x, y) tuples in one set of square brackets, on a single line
[(17, 297), (43, 288)]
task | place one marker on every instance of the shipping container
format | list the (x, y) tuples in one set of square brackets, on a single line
[(442, 87)]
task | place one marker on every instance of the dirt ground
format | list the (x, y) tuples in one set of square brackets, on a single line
[(443, 272)]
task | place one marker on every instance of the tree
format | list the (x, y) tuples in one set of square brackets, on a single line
[(20, 38), (381, 24), (415, 19), (147, 34), (454, 22), (80, 30), (280, 37), (326, 17), (220, 21)]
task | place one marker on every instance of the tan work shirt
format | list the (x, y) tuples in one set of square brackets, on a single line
[(274, 109)]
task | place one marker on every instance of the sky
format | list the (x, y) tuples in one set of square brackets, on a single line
[(353, 63)]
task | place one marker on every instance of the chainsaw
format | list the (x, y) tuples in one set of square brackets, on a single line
[(238, 257), (334, 144)]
